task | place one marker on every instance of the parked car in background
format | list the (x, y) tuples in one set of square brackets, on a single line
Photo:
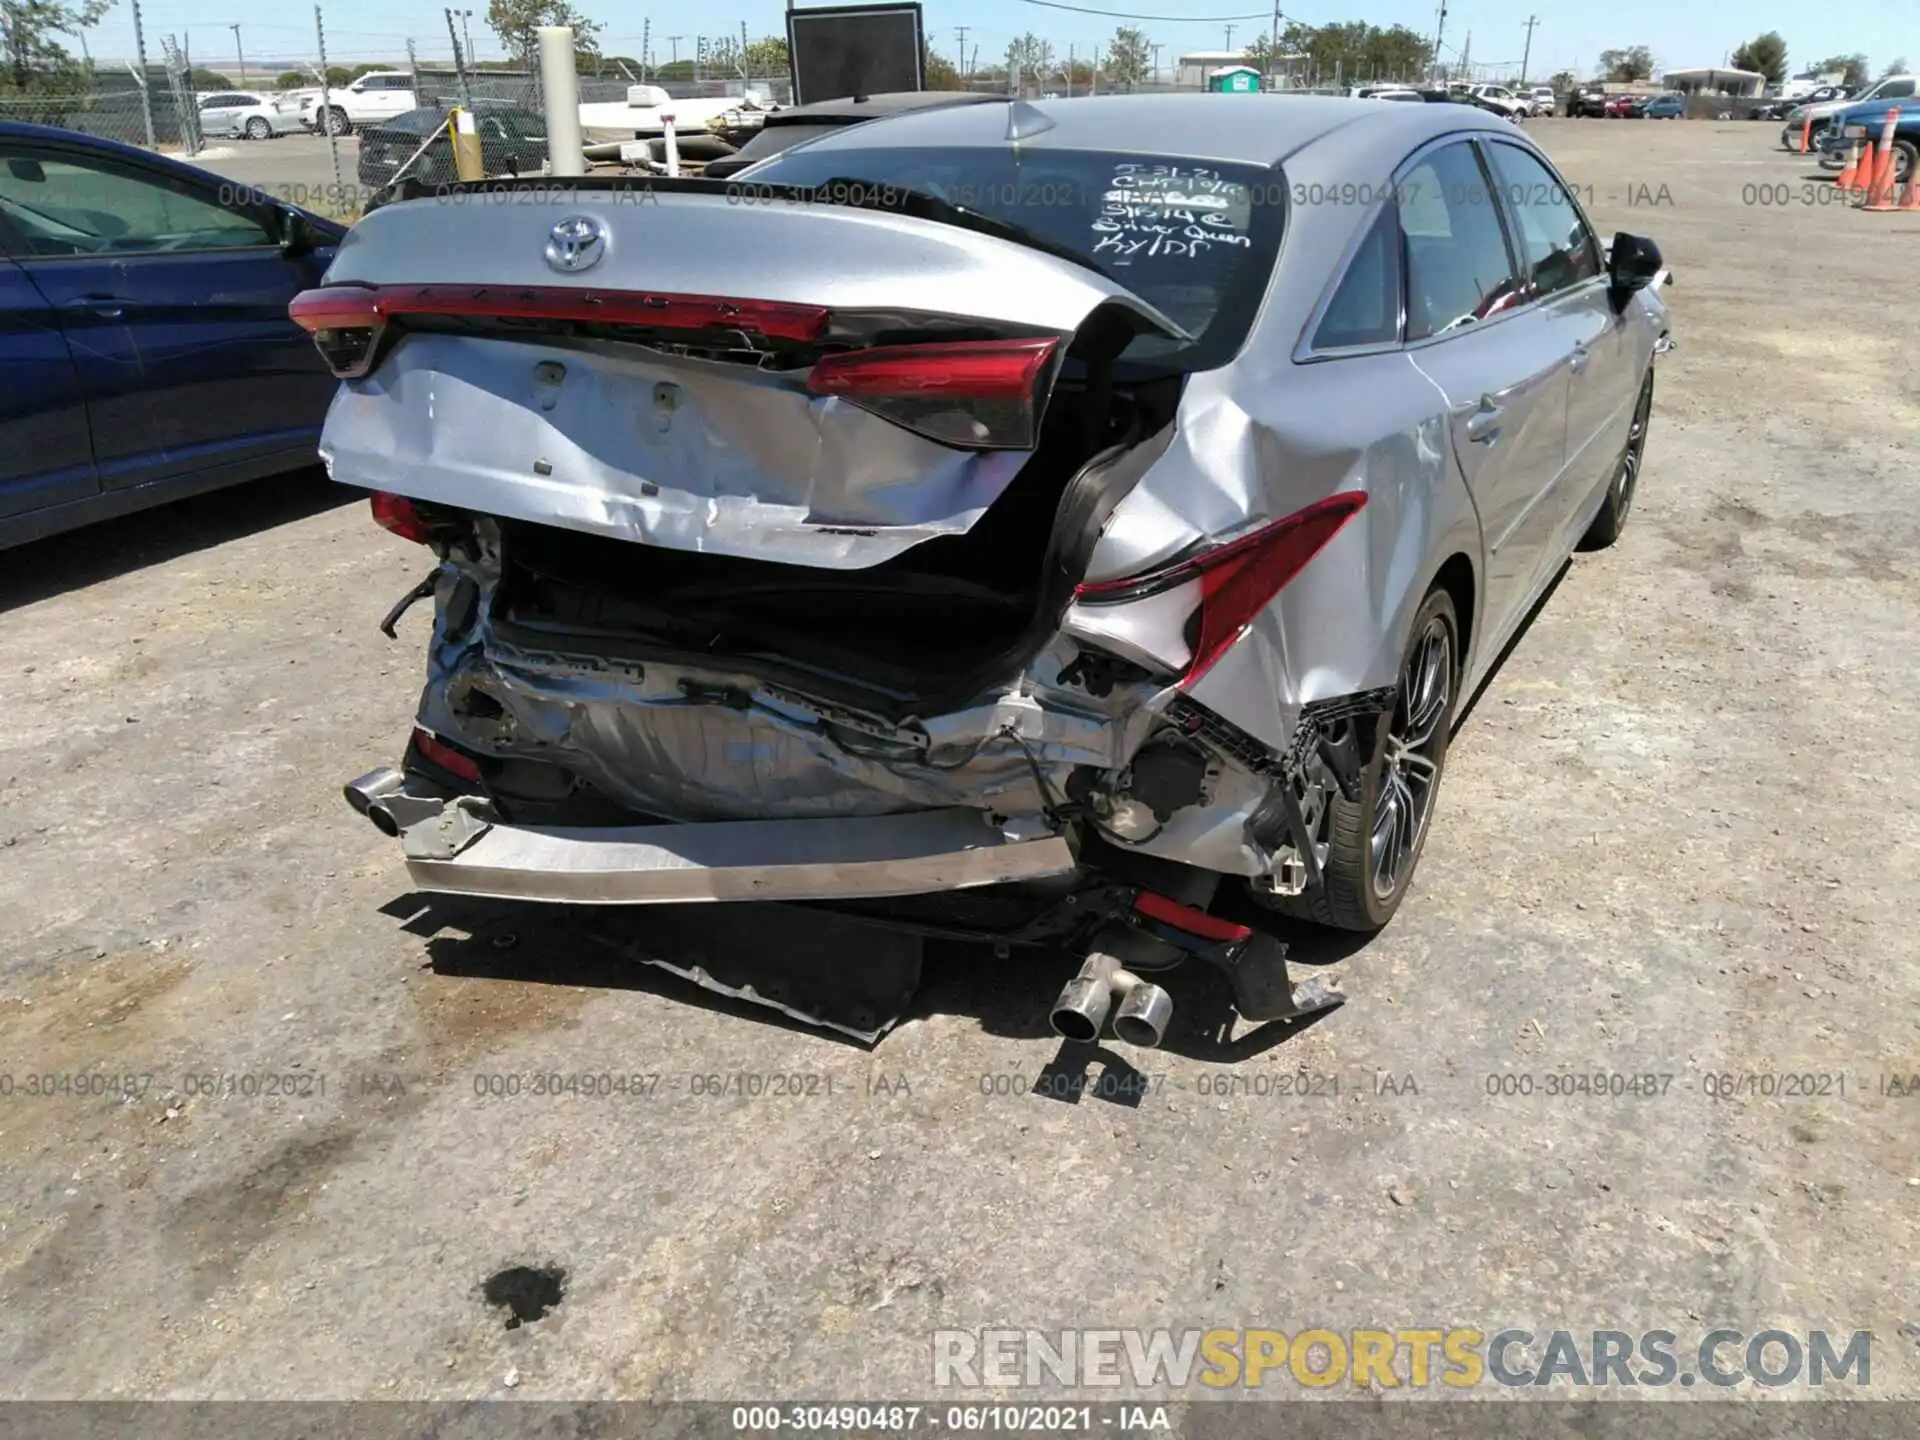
[(376, 96), (1777, 107), (1665, 107), (1815, 117), (248, 114), (944, 548), (1623, 107), (513, 141), (145, 349), (1589, 102), (1502, 101), (1864, 123), (784, 129)]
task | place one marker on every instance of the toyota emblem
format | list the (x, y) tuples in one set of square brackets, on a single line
[(576, 243)]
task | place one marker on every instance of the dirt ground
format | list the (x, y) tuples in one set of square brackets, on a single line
[(1676, 838)]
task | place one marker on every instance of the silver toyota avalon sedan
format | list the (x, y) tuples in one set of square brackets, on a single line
[(1071, 523)]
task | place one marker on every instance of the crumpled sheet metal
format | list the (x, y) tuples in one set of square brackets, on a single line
[(603, 443)]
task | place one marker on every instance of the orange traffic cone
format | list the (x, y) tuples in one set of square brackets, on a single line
[(1913, 193), (1850, 176), (1806, 134), (1880, 193)]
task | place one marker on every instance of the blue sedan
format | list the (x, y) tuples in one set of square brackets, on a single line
[(1665, 107), (145, 349)]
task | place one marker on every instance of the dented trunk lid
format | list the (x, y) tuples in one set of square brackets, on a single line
[(706, 447)]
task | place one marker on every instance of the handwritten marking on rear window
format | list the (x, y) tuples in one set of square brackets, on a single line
[(1153, 210)]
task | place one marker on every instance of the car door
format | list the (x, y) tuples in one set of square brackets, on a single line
[(390, 95), (45, 457), (173, 306), (1502, 364), (1566, 282)]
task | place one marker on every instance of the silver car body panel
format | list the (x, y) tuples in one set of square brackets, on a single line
[(670, 450), (1257, 439)]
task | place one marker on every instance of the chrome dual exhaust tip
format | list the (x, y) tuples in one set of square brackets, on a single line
[(1141, 1016), (369, 795)]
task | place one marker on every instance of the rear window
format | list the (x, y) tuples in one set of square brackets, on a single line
[(1194, 239)]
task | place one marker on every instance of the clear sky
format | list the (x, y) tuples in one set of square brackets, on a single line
[(1568, 37)]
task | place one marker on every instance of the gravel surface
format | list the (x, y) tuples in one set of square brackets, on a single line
[(1676, 839)]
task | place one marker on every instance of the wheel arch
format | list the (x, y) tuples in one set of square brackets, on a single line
[(1457, 578)]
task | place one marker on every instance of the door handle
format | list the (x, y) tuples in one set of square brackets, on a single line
[(105, 306), (1580, 357), (1486, 421)]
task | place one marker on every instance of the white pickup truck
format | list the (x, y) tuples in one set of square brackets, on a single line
[(377, 95)]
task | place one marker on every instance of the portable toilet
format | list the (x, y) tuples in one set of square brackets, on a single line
[(1234, 80)]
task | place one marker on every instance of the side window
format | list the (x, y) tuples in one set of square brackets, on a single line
[(1365, 310), (63, 207), (1898, 90), (1458, 268), (1557, 250)]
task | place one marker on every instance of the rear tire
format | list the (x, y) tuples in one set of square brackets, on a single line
[(1373, 844), (258, 129), (1612, 519), (337, 122)]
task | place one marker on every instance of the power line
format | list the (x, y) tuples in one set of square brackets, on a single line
[(1133, 15)]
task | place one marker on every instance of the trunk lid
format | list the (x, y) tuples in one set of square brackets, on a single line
[(635, 361)]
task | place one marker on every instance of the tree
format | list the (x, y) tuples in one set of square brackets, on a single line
[(767, 57), (1029, 58), (293, 80), (338, 75), (1852, 69), (199, 79), (1128, 59), (1562, 82), (1895, 66), (517, 22), (1354, 52), (940, 73), (1764, 55), (1633, 63), (42, 81)]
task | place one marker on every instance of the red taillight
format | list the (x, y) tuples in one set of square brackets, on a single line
[(1239, 579), (345, 323), (433, 749), (397, 513), (977, 394), (346, 320)]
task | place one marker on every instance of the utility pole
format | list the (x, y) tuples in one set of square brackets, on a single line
[(1069, 71), (1527, 54), (1155, 49), (1466, 58), (460, 58), (674, 41), (413, 65), (239, 54), (1439, 31), (1229, 37), (146, 95), (961, 31), (466, 30)]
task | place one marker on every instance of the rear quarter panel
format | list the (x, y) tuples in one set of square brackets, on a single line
[(1266, 435)]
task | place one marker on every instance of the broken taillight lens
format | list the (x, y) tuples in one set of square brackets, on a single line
[(975, 394), (345, 323), (1239, 579), (435, 751), (401, 516)]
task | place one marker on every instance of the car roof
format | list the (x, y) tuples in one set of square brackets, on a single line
[(429, 117), (1258, 129), (854, 109)]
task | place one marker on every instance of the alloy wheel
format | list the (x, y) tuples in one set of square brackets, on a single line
[(1410, 769), (1629, 475)]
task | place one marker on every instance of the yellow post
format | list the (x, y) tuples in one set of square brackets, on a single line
[(467, 161)]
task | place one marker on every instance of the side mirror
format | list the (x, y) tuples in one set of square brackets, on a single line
[(31, 172), (296, 236), (1632, 262)]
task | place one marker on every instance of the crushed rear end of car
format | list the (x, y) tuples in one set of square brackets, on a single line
[(781, 593)]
